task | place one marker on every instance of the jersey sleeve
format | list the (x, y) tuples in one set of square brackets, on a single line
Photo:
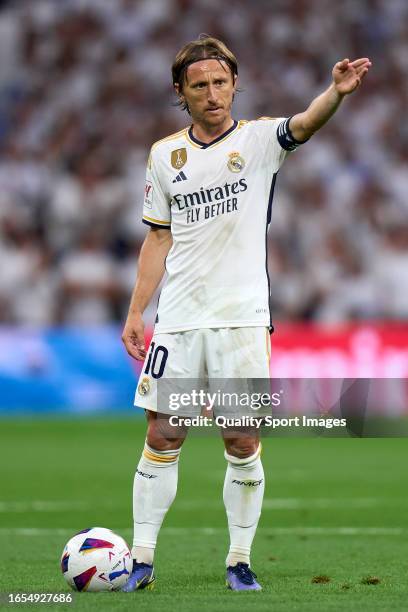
[(156, 206), (279, 139), (285, 137)]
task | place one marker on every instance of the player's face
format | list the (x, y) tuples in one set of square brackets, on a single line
[(208, 90)]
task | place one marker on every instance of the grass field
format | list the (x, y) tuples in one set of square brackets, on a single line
[(333, 507)]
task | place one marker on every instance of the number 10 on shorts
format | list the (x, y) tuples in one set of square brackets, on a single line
[(156, 360)]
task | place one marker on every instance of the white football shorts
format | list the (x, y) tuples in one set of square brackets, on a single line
[(202, 354)]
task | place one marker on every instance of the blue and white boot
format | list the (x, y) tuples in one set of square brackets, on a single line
[(240, 577), (142, 577)]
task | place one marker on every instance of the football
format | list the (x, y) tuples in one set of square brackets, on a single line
[(96, 559)]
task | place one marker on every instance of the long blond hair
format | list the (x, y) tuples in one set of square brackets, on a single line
[(204, 47)]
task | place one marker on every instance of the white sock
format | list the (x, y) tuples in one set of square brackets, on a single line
[(243, 494), (154, 490)]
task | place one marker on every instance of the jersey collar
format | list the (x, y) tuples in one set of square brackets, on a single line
[(205, 145)]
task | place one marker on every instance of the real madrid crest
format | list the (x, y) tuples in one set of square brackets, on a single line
[(178, 158), (144, 386), (236, 163)]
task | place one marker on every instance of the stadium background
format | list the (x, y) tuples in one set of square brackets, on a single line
[(85, 90)]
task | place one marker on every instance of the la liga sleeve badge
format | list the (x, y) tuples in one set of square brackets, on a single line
[(148, 195)]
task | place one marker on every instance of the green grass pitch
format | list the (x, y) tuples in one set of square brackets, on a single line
[(333, 507)]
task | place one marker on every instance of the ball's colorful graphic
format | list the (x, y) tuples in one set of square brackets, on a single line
[(96, 559)]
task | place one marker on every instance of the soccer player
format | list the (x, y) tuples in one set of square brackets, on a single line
[(208, 198)]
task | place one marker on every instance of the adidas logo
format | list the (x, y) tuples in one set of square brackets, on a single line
[(180, 177)]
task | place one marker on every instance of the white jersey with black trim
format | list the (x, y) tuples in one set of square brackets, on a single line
[(216, 200)]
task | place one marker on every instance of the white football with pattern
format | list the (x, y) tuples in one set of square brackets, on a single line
[(96, 559)]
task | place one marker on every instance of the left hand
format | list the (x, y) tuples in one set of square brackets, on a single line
[(347, 75)]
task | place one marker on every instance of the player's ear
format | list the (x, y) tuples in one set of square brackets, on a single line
[(179, 93)]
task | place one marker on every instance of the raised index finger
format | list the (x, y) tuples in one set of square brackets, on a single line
[(360, 61)]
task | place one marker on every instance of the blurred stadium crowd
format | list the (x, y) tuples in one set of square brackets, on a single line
[(85, 89)]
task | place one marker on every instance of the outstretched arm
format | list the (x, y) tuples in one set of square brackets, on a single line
[(153, 253), (347, 77)]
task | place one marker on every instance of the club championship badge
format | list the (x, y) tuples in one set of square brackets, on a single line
[(178, 158)]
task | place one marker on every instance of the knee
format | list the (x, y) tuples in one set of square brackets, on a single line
[(158, 439), (242, 447)]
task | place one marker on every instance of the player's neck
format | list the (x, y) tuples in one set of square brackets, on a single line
[(208, 133)]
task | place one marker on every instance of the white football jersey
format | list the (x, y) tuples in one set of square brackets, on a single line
[(216, 200)]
